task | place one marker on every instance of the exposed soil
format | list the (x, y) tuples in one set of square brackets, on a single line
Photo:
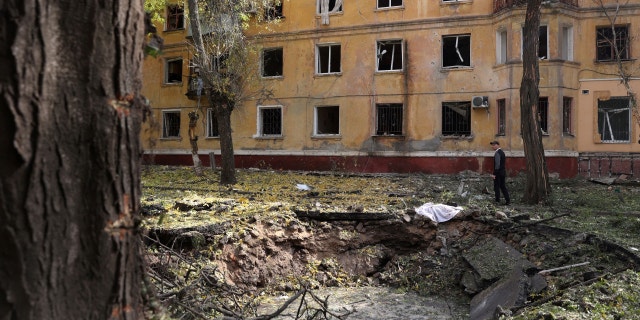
[(402, 265)]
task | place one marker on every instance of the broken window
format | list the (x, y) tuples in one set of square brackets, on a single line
[(566, 43), (543, 114), (326, 7), (212, 124), (272, 63), (389, 3), (273, 11), (389, 55), (543, 44), (567, 106), (173, 70), (609, 40), (456, 51), (328, 58), (456, 118), (501, 47), (175, 17), (171, 124), (502, 117), (614, 119), (389, 119), (327, 120), (269, 121)]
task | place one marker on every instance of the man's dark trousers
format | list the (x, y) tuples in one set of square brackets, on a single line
[(499, 184)]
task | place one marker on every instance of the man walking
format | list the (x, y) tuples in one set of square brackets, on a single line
[(499, 173)]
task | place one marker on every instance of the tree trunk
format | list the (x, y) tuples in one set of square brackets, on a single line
[(227, 164), (193, 139), (537, 188), (70, 114)]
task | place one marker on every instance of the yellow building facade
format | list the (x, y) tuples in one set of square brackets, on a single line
[(413, 86)]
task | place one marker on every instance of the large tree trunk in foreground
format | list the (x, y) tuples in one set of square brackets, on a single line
[(69, 167), (537, 188), (227, 164)]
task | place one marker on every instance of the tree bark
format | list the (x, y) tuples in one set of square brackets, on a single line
[(537, 187), (70, 114), (227, 164), (193, 140)]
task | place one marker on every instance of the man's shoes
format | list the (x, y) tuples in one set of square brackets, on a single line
[(508, 203)]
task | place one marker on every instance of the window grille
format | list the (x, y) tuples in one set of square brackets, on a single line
[(456, 118), (271, 119), (389, 119), (567, 103)]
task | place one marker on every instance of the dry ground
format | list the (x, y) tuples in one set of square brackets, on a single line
[(361, 230)]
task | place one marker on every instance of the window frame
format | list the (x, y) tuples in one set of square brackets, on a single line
[(566, 42), (452, 132), (212, 123), (180, 23), (166, 131), (393, 108), (543, 115), (319, 7), (502, 117), (390, 4), (627, 43), (260, 122), (567, 116), (456, 66), (396, 43), (264, 62), (316, 120), (167, 67), (319, 59), (629, 121), (502, 45)]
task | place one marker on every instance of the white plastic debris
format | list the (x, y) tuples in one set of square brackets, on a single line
[(438, 212), (302, 186)]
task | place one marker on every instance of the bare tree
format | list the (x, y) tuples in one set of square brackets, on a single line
[(537, 188), (619, 44), (70, 114), (222, 52)]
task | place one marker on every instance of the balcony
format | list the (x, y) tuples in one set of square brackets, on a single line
[(500, 5), (195, 83)]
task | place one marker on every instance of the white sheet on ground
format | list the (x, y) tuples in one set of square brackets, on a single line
[(438, 212)]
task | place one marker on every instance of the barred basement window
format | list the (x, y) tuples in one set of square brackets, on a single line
[(456, 118), (389, 119), (270, 121), (171, 124), (212, 124)]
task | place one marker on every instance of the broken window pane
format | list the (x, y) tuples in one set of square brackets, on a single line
[(614, 119), (389, 55), (389, 3), (175, 17), (273, 11), (272, 62), (212, 124), (173, 71), (605, 40), (331, 6), (389, 119), (543, 114), (456, 51), (456, 118), (327, 120), (170, 124), (328, 59), (270, 121)]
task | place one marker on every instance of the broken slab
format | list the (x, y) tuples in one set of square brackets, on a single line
[(492, 259), (506, 293)]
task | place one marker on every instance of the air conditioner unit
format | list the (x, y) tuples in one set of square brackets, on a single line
[(480, 102)]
